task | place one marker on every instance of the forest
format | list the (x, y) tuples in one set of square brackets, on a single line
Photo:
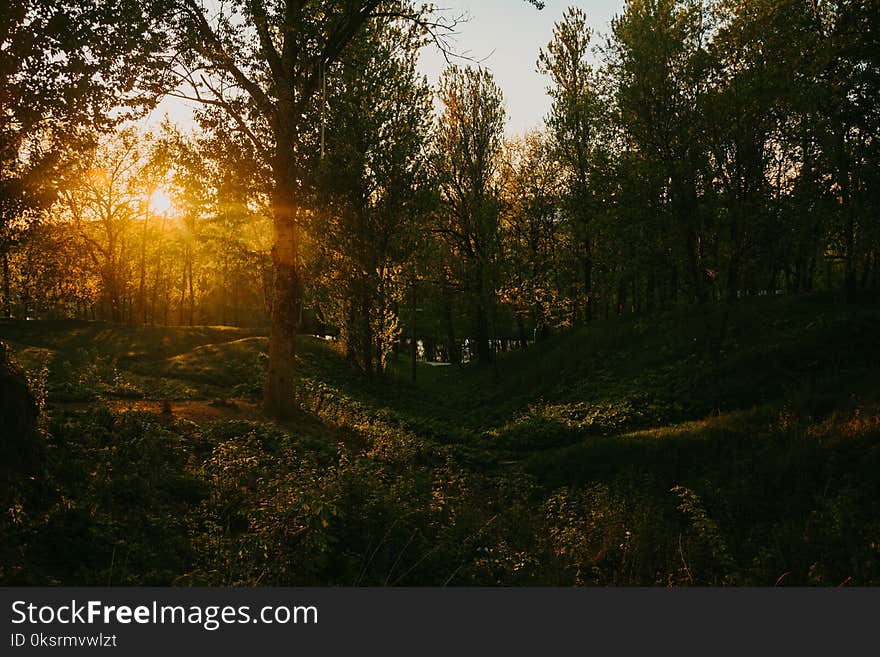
[(347, 329)]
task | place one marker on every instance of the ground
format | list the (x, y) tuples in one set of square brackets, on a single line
[(634, 451)]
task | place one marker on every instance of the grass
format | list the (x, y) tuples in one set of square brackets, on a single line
[(630, 452)]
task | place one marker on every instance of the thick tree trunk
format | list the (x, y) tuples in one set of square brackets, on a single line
[(280, 394)]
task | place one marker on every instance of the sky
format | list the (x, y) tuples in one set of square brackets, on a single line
[(505, 37)]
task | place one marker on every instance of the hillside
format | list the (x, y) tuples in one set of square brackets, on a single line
[(624, 453)]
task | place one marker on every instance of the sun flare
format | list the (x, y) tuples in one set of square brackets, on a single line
[(160, 202)]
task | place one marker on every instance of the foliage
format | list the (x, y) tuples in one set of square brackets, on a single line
[(386, 484)]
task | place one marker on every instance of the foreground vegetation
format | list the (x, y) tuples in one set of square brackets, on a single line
[(623, 454)]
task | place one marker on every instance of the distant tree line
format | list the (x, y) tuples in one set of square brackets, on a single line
[(701, 152)]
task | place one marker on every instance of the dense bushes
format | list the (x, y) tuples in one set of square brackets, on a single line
[(602, 462), (131, 498)]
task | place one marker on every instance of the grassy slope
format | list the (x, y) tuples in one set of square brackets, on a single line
[(768, 445)]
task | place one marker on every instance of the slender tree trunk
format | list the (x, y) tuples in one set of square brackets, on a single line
[(588, 280), (413, 345), (182, 296), (481, 317), (521, 330), (142, 298), (484, 349), (367, 341), (849, 263), (452, 349), (733, 277), (116, 310), (155, 294), (192, 296), (224, 292), (7, 299), (694, 266)]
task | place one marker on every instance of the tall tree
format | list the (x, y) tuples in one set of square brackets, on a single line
[(658, 66), (468, 149), (59, 85), (535, 244), (372, 184), (263, 63), (572, 122), (103, 197)]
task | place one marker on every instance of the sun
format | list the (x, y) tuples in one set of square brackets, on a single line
[(160, 202)]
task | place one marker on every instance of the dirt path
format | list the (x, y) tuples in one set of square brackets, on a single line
[(187, 409), (207, 411)]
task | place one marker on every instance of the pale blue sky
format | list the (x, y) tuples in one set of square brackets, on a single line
[(506, 35)]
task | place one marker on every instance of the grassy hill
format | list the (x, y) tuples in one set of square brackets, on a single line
[(700, 447)]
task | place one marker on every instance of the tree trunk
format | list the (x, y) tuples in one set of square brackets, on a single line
[(142, 294), (732, 278), (192, 296), (366, 330), (413, 344), (484, 351), (280, 394), (695, 266), (588, 281), (7, 299), (621, 297), (849, 263), (521, 330), (182, 296), (155, 292), (452, 349), (481, 319)]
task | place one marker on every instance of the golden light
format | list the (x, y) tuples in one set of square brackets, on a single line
[(160, 202), (96, 176)]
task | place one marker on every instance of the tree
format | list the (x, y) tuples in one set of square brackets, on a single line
[(742, 131), (58, 85), (849, 79), (658, 67), (467, 150), (103, 198), (572, 122), (372, 185), (534, 243), (262, 64)]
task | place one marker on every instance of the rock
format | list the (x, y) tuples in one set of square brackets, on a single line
[(19, 446)]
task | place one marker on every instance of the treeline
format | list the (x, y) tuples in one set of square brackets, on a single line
[(702, 151), (133, 236)]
